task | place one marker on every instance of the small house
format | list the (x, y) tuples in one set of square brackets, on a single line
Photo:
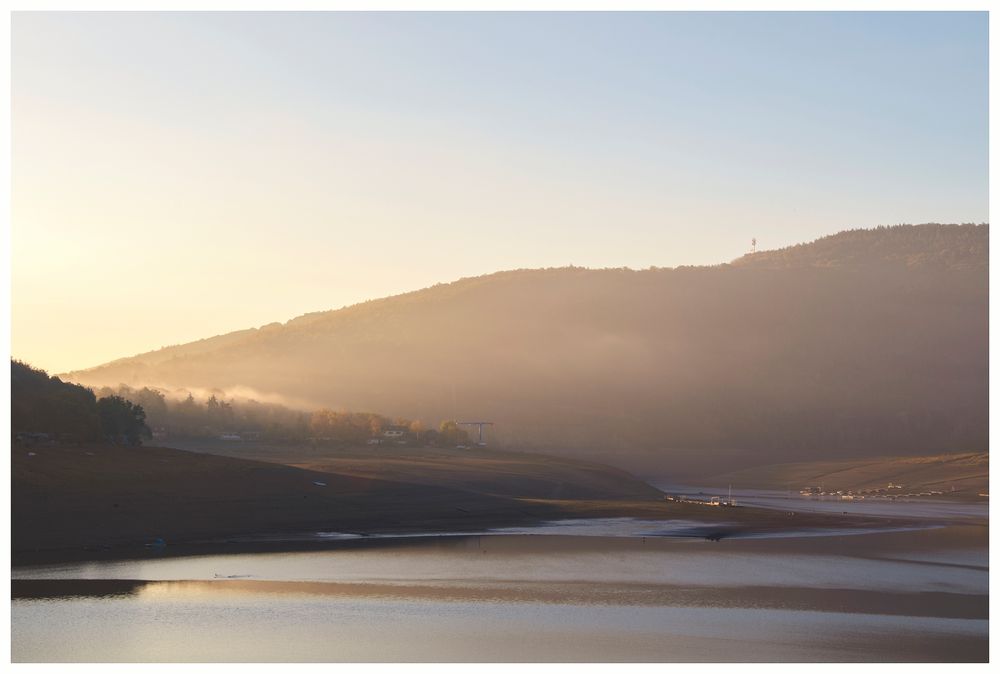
[(395, 432)]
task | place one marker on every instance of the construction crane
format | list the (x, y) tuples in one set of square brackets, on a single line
[(476, 423)]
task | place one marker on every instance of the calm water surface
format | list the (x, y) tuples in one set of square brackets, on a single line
[(908, 595)]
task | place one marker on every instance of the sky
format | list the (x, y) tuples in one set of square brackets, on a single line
[(181, 175)]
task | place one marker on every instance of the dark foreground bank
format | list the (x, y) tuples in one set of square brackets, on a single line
[(78, 503)]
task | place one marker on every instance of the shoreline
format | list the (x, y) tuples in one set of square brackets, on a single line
[(105, 503), (757, 525)]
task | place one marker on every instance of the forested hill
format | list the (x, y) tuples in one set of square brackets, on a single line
[(866, 342), (930, 246)]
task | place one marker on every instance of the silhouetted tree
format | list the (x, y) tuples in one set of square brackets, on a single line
[(122, 422), (43, 404)]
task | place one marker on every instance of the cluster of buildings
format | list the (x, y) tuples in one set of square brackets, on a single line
[(890, 491), (716, 501), (397, 434), (242, 436)]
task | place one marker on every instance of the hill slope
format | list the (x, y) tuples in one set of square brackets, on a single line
[(863, 343), (958, 475), (479, 469)]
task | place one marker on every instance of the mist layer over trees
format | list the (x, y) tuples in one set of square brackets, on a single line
[(187, 417), (868, 342), (183, 415)]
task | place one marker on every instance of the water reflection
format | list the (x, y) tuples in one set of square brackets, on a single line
[(940, 604), (286, 628), (884, 562), (908, 595), (68, 588)]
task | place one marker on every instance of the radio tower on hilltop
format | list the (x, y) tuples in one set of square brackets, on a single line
[(753, 245)]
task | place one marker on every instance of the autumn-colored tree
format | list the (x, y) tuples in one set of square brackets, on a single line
[(322, 423), (449, 434)]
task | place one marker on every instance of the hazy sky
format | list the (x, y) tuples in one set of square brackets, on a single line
[(176, 176)]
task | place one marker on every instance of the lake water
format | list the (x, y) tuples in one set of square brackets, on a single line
[(556, 595)]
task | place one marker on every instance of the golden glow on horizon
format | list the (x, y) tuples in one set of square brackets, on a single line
[(276, 166)]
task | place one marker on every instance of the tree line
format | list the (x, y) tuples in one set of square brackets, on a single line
[(44, 407), (47, 406), (215, 416), (358, 427)]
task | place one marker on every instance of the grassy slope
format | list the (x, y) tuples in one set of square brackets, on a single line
[(73, 496), (479, 469), (968, 473), (69, 497)]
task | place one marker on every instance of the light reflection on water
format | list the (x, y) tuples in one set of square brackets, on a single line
[(559, 558), (293, 629), (516, 597)]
